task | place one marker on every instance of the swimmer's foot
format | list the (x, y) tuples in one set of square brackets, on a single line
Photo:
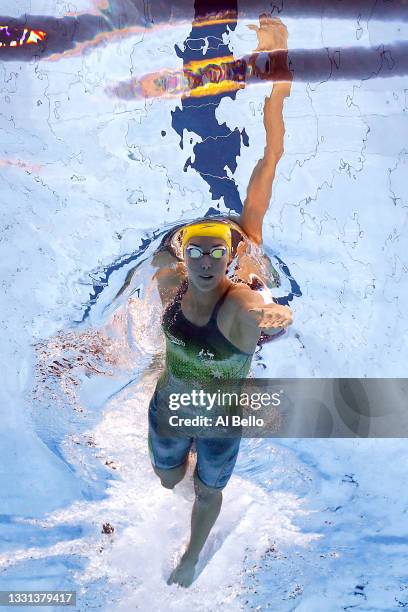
[(183, 574)]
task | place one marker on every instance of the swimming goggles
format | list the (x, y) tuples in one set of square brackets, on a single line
[(196, 252)]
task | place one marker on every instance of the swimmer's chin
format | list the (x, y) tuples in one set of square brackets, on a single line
[(205, 282)]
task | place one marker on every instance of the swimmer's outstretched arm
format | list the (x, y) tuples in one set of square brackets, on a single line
[(272, 35), (252, 315)]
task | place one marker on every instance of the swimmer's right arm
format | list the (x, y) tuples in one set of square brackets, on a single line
[(259, 191)]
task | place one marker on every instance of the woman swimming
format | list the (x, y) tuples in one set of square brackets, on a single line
[(212, 324)]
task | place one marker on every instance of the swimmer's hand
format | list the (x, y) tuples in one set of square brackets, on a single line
[(272, 34), (272, 316)]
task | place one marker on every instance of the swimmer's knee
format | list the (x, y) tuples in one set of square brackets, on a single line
[(204, 493), (165, 479), (172, 476), (166, 484)]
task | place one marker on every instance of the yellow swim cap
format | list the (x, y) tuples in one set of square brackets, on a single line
[(214, 229)]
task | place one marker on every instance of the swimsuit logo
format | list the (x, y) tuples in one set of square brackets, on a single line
[(216, 374), (204, 354)]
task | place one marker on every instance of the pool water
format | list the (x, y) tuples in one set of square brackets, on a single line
[(93, 175)]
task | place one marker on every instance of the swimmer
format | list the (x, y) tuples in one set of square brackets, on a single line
[(210, 322)]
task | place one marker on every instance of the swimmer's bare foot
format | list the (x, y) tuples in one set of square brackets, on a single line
[(183, 574)]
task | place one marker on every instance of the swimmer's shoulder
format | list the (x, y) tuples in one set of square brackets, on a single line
[(169, 278), (234, 320), (240, 293), (239, 298), (238, 302)]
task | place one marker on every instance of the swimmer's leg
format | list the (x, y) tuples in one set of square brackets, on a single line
[(206, 508), (169, 456)]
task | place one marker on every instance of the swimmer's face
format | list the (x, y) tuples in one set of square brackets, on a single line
[(206, 272)]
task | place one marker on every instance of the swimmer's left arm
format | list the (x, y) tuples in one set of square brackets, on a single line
[(252, 312)]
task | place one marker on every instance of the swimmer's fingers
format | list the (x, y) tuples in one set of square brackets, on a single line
[(272, 316), (267, 21), (273, 309), (272, 34)]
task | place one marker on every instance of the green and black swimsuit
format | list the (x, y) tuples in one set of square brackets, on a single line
[(200, 352), (195, 355)]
